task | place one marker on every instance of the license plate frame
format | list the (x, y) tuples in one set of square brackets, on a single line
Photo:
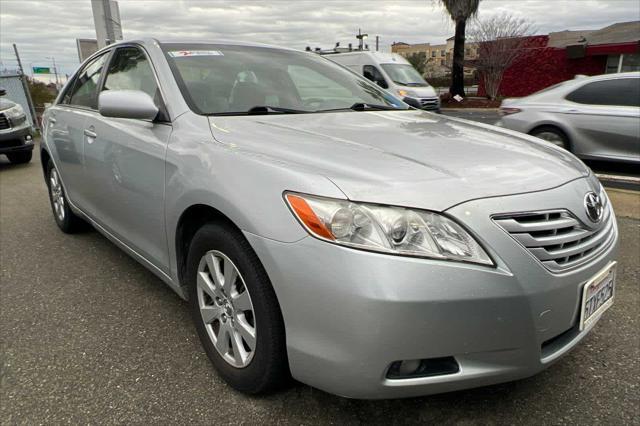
[(600, 283)]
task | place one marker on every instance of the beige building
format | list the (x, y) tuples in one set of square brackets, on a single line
[(439, 56)]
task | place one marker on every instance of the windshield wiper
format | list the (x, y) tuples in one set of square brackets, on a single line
[(361, 106), (262, 110), (267, 109)]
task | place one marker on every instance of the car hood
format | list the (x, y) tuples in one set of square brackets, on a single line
[(407, 158), (6, 104)]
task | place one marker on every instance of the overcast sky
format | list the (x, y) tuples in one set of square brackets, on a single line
[(49, 28)]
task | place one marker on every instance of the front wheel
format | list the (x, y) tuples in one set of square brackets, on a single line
[(235, 310), (553, 135)]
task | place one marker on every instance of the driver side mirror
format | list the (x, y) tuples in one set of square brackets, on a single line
[(127, 104), (2, 91)]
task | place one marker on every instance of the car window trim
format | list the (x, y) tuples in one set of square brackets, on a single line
[(74, 80), (166, 118)]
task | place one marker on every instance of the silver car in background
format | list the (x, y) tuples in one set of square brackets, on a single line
[(593, 117), (321, 229)]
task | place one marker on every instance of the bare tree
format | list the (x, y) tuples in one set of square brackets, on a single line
[(502, 40)]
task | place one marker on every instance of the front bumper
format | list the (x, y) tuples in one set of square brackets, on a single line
[(426, 103), (16, 139), (350, 314)]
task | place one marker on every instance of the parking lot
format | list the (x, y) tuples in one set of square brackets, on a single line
[(90, 336)]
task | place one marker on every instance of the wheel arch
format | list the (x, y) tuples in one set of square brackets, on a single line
[(192, 219), (554, 125), (44, 160)]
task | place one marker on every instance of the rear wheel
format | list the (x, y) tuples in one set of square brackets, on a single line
[(20, 157), (235, 310), (552, 134), (66, 220)]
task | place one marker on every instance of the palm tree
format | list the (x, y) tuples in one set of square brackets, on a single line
[(460, 11)]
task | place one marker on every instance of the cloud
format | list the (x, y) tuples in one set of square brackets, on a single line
[(43, 29)]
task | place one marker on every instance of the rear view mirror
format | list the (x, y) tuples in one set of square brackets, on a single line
[(127, 104)]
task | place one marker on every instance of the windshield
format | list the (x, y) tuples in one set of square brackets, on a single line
[(404, 74), (230, 79)]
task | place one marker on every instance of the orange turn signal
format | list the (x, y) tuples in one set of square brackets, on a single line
[(308, 217)]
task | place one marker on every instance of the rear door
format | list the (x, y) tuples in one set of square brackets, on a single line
[(65, 129), (126, 159), (605, 118)]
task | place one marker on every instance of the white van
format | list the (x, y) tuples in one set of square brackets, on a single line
[(392, 72)]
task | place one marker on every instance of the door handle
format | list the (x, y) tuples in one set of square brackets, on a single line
[(52, 120), (90, 134)]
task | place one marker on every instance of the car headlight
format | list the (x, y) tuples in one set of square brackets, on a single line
[(409, 93), (15, 111), (386, 229)]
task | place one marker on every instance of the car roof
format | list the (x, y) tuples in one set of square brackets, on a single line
[(148, 41), (633, 74)]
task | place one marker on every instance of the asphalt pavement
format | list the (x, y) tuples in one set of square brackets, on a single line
[(90, 336)]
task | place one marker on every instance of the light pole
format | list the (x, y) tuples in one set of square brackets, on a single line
[(55, 70)]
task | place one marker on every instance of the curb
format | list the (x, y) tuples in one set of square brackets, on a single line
[(625, 203)]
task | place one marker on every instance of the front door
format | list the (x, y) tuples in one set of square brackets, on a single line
[(126, 158), (605, 116)]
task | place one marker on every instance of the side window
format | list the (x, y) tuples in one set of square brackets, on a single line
[(130, 70), (83, 91), (372, 73), (619, 92)]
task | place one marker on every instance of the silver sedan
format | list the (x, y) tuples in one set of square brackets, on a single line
[(321, 229), (593, 117)]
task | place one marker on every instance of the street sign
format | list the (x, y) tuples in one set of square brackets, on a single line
[(41, 70)]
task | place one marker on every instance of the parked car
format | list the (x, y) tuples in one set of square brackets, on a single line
[(392, 72), (16, 134), (340, 237), (593, 117)]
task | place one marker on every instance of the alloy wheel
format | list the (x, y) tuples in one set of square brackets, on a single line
[(57, 195), (226, 309)]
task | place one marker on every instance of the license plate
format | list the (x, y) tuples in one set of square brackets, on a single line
[(597, 295)]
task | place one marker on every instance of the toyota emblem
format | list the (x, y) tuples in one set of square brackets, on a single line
[(593, 206)]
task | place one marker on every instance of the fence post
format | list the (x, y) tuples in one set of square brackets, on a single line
[(25, 87)]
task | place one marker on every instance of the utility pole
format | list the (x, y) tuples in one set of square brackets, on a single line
[(106, 6), (25, 87), (377, 42), (106, 17)]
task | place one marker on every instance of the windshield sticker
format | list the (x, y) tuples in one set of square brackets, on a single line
[(187, 53)]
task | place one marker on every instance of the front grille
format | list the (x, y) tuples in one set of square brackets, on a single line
[(4, 122), (558, 239), (429, 103)]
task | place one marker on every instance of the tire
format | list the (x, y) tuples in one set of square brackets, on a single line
[(66, 220), (265, 366), (20, 157), (552, 134)]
